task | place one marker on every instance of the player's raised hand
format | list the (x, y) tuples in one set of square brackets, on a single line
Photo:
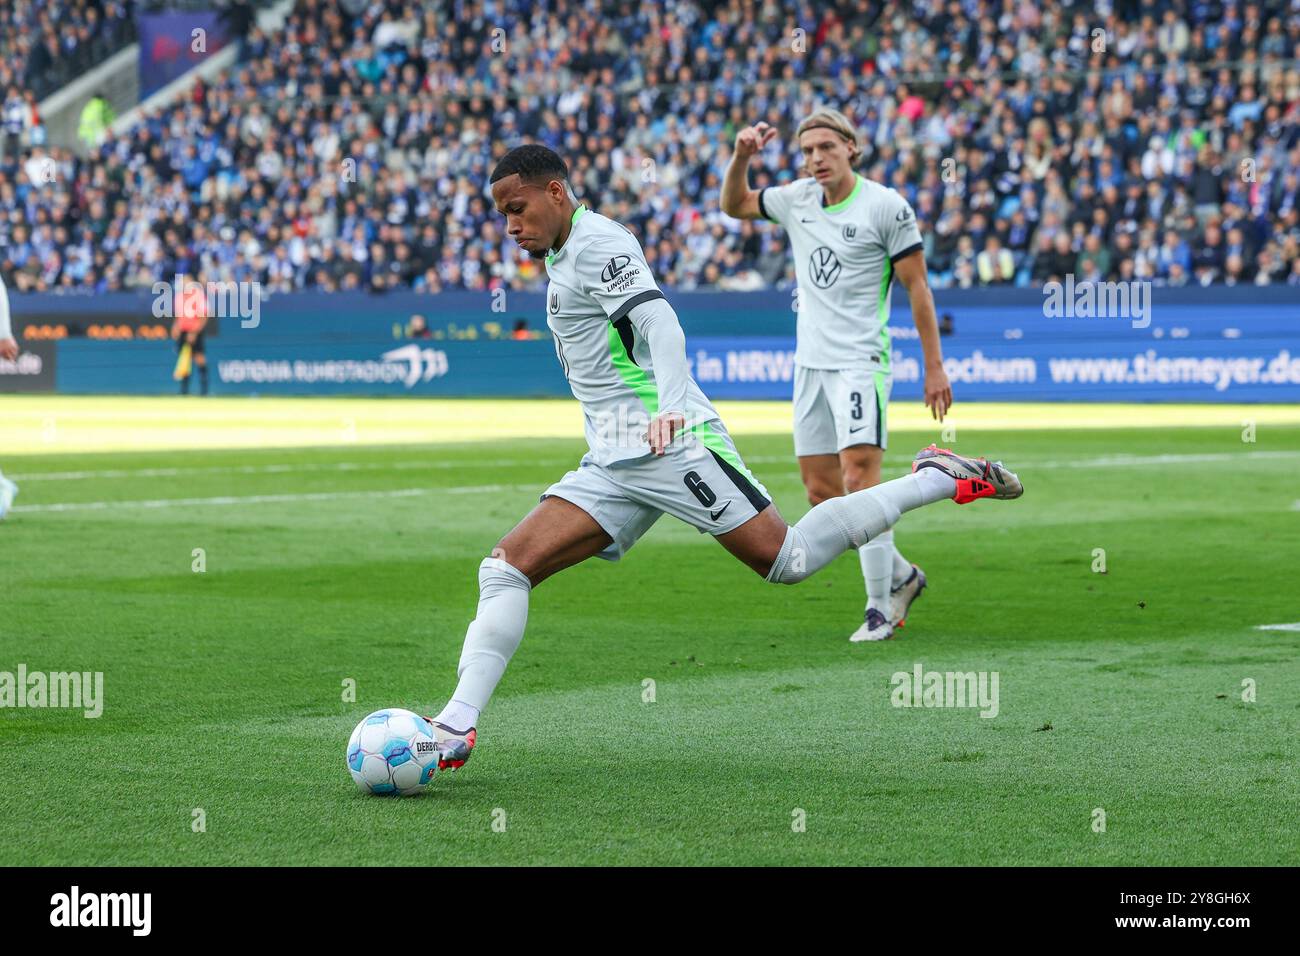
[(662, 429), (8, 349), (938, 392), (753, 138)]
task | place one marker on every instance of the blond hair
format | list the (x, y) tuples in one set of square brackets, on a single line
[(836, 122)]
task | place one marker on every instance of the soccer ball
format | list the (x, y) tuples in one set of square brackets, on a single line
[(393, 751)]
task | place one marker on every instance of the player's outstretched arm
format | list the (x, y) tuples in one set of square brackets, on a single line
[(738, 200), (656, 322), (910, 271)]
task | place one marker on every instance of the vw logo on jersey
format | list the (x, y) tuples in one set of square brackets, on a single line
[(614, 267), (555, 303), (825, 267), (850, 232)]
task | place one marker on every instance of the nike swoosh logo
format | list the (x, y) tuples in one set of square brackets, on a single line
[(715, 515), (858, 429), (806, 220)]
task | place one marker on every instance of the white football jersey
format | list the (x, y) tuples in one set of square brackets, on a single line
[(596, 278), (844, 260)]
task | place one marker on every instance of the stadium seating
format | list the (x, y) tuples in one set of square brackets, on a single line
[(351, 149), (46, 43)]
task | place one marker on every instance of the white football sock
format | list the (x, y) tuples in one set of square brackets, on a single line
[(493, 636), (877, 559), (837, 524), (458, 715), (902, 566)]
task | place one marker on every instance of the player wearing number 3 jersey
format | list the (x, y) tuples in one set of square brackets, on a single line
[(655, 444), (851, 238)]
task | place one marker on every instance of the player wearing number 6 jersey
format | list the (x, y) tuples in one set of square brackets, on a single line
[(656, 444), (851, 239)]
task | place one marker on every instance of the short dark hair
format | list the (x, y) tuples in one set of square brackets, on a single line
[(532, 162)]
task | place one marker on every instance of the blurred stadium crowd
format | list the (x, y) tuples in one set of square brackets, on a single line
[(1120, 139), (46, 43)]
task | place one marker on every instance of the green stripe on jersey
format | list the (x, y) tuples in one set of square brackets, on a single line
[(882, 313), (633, 375)]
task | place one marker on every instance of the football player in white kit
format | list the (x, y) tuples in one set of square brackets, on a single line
[(851, 238), (656, 444), (8, 352)]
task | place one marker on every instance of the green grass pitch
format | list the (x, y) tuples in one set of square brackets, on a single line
[(769, 740)]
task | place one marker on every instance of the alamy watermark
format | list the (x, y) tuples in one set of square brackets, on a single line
[(75, 908), (1098, 300), (76, 690), (223, 300), (922, 688)]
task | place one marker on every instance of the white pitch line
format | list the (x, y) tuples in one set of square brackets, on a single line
[(274, 469), (228, 500), (1293, 626), (1131, 461), (1120, 461), (1109, 461), (1114, 461)]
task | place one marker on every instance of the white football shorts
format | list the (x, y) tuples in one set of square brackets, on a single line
[(701, 479), (835, 409)]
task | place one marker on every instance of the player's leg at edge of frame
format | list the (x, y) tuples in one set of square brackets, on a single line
[(8, 491)]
